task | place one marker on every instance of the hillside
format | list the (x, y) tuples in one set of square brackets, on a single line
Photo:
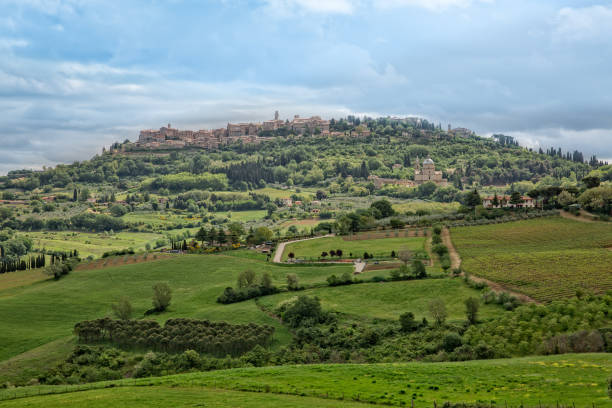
[(531, 382)]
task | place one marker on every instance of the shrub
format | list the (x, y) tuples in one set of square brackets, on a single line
[(408, 323), (471, 309), (304, 311), (451, 342)]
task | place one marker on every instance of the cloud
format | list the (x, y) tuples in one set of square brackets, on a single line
[(577, 24), (433, 5), (289, 7), (10, 43)]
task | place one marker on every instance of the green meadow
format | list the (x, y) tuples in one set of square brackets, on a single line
[(378, 247), (578, 379), (51, 308), (90, 243), (387, 300)]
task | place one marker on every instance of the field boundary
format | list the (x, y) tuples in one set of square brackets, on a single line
[(494, 286)]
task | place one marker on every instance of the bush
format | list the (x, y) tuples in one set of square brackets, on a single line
[(304, 311), (408, 323), (451, 342)]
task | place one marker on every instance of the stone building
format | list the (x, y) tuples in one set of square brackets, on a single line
[(428, 173)]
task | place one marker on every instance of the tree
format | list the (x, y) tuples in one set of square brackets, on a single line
[(202, 235), (161, 296), (516, 198), (437, 309), (246, 279), (324, 254), (266, 281), (495, 200), (338, 253), (473, 199), (305, 311), (221, 237), (236, 231), (405, 255), (471, 309), (418, 268), (292, 282), (291, 255), (384, 209), (262, 234), (591, 181), (123, 309), (407, 322), (270, 207)]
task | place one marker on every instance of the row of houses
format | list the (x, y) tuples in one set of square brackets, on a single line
[(169, 137)]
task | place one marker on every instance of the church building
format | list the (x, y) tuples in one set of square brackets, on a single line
[(428, 173)]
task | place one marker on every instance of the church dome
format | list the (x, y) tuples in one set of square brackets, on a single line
[(428, 161)]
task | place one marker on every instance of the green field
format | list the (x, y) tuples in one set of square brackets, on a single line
[(546, 258), (431, 206), (89, 243), (578, 379), (51, 308), (378, 247), (387, 300)]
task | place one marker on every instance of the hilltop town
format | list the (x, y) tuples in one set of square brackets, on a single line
[(168, 137)]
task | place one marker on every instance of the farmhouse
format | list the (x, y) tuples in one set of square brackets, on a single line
[(503, 201)]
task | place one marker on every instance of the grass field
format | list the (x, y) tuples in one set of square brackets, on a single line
[(377, 247), (300, 224), (89, 243), (241, 216), (51, 308), (172, 396), (547, 258), (21, 278), (159, 219), (431, 206), (387, 300), (578, 379)]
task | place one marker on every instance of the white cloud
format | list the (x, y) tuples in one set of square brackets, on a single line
[(289, 7), (10, 43), (576, 24), (434, 5)]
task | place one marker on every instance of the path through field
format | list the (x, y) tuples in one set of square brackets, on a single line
[(494, 286), (278, 255)]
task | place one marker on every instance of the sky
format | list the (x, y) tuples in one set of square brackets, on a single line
[(77, 75)]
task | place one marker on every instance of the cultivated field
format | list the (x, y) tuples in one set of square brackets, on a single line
[(431, 206), (377, 247), (387, 300), (578, 379), (547, 258), (51, 308)]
